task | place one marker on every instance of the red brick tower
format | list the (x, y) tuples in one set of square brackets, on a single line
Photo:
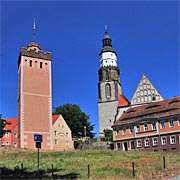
[(34, 96)]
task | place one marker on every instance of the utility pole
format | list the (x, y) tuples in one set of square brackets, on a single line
[(85, 132)]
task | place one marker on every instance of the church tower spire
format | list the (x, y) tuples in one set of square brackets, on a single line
[(109, 86), (107, 54)]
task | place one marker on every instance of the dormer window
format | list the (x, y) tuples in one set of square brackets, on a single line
[(171, 123), (145, 127)]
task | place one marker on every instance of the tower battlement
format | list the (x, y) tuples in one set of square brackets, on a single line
[(36, 54)]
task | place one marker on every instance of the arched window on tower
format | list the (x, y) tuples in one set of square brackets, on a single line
[(30, 63), (41, 65), (108, 91), (107, 75), (116, 91)]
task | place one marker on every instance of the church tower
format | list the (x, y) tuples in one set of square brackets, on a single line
[(34, 96), (109, 86)]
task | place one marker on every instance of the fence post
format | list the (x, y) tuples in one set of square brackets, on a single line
[(52, 170), (0, 171), (164, 163), (88, 171), (133, 171), (22, 169)]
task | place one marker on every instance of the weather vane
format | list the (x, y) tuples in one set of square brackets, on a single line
[(105, 27), (34, 30)]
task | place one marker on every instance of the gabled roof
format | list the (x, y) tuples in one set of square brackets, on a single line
[(11, 123), (151, 110), (122, 101), (54, 118), (145, 92)]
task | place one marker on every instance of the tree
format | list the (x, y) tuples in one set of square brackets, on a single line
[(2, 126), (77, 120), (108, 135)]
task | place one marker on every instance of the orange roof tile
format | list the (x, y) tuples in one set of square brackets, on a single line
[(11, 123), (151, 110)]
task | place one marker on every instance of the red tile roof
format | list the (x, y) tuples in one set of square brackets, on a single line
[(122, 101), (54, 118), (151, 110), (11, 123)]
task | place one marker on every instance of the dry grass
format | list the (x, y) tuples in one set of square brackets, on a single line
[(104, 165)]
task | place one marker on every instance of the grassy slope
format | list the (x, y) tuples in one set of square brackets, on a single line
[(103, 164)]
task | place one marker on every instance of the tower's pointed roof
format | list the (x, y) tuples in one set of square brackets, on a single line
[(145, 92), (107, 43)]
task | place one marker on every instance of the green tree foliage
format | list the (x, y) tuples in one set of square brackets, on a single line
[(108, 135), (76, 120), (2, 125)]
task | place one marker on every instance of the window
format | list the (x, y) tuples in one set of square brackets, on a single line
[(107, 75), (15, 135), (30, 63), (108, 90), (41, 65), (124, 131), (67, 135), (55, 133), (145, 127), (171, 123), (132, 145), (172, 139), (7, 135), (55, 141), (146, 142), (153, 126), (67, 143), (162, 125), (138, 128), (139, 143), (15, 144), (155, 141), (145, 98), (178, 122), (131, 130), (163, 140), (117, 132), (142, 99)]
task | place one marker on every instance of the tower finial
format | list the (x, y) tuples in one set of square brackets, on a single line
[(105, 28), (34, 30)]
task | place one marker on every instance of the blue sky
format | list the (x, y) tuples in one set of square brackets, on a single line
[(145, 35)]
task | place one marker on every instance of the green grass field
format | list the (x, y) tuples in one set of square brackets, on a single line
[(74, 164)]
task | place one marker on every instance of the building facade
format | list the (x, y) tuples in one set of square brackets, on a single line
[(34, 96), (109, 86), (145, 93), (150, 127), (62, 136), (11, 138)]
